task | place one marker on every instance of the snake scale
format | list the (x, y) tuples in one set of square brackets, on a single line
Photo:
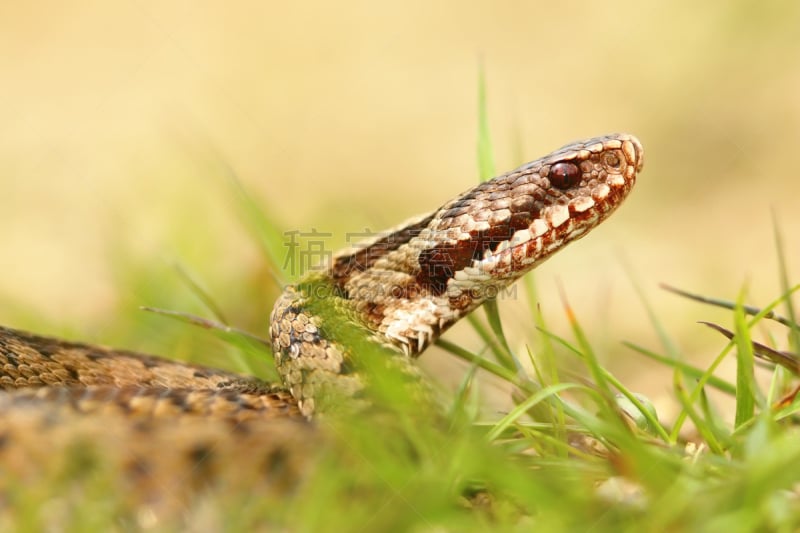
[(399, 292)]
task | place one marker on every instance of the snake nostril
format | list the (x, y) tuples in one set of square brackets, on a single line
[(564, 175), (612, 160)]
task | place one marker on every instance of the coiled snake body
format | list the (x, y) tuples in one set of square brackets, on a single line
[(400, 292)]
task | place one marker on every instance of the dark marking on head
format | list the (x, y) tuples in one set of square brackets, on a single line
[(439, 264), (343, 267)]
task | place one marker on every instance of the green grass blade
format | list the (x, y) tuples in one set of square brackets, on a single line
[(727, 304), (794, 335), (527, 405), (508, 359), (264, 228), (686, 368), (493, 368), (486, 169), (703, 428), (666, 340), (745, 367), (246, 342), (201, 294)]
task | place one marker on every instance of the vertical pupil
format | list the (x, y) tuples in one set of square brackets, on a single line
[(564, 175)]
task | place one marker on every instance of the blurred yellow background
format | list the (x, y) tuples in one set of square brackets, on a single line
[(118, 120)]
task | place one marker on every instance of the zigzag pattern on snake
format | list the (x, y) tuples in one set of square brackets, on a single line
[(398, 292)]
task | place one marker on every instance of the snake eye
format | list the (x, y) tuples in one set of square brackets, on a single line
[(612, 160), (564, 175)]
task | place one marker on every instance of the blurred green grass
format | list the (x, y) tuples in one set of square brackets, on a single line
[(117, 119)]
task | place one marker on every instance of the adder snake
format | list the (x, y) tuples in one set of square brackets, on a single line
[(400, 291)]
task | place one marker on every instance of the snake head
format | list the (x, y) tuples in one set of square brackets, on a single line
[(406, 286), (491, 235)]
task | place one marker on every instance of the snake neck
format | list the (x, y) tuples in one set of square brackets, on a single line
[(396, 294), (316, 334)]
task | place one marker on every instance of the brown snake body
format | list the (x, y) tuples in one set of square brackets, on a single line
[(399, 292)]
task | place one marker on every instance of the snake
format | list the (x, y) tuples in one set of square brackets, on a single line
[(397, 292)]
